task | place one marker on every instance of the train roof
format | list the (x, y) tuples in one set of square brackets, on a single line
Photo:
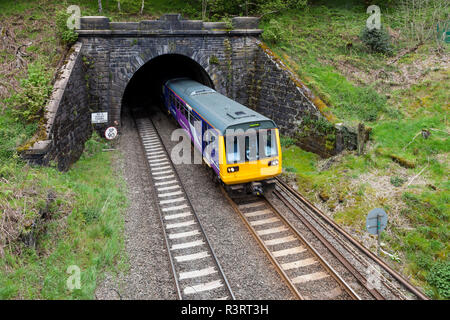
[(220, 111)]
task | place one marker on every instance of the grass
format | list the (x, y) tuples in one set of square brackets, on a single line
[(321, 44), (83, 226), (304, 37), (129, 8), (85, 229)]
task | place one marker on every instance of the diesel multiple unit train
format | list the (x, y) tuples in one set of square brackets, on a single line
[(241, 146)]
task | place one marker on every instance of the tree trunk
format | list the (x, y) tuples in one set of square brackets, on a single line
[(204, 6), (100, 9), (142, 7), (118, 5)]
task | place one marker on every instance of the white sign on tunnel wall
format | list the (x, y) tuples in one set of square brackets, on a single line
[(99, 117)]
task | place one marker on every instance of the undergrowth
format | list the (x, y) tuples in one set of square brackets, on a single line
[(84, 228), (405, 166)]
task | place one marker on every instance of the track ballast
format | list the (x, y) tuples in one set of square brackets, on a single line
[(196, 269)]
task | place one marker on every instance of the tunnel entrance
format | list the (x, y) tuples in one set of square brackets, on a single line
[(145, 87)]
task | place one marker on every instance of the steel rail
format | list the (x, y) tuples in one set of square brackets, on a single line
[(310, 248), (347, 246), (332, 249), (216, 260), (263, 246), (166, 239), (369, 253), (321, 259)]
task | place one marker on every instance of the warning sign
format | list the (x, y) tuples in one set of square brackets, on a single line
[(99, 117), (111, 133)]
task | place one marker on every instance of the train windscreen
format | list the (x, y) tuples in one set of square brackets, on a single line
[(250, 145)]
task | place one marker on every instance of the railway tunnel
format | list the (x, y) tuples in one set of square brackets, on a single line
[(144, 88), (115, 65)]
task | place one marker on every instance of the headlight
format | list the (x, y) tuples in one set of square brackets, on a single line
[(233, 169), (273, 163)]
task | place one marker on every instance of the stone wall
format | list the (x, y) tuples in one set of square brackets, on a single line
[(235, 62), (67, 117), (276, 92), (115, 51)]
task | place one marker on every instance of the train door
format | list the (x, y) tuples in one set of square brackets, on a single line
[(195, 126), (211, 147), (172, 105)]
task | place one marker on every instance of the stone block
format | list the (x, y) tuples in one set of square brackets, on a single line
[(94, 23)]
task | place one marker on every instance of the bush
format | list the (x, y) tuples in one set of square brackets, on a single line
[(439, 277), (274, 32), (277, 6), (29, 103), (66, 36), (220, 8), (286, 141), (397, 181), (377, 40)]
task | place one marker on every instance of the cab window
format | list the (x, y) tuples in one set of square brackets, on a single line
[(251, 147)]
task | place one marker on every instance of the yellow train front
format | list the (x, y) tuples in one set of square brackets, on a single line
[(241, 146), (250, 159)]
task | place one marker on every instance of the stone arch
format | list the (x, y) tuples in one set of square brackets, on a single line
[(191, 64)]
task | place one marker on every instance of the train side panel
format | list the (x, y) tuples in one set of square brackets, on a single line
[(195, 126)]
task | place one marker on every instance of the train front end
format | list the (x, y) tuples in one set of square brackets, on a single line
[(251, 158)]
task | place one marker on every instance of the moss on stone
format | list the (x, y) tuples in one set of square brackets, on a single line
[(213, 60), (320, 105)]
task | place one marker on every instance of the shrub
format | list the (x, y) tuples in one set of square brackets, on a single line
[(228, 23), (439, 277), (29, 103), (274, 32), (66, 36), (397, 181), (377, 40), (276, 6), (286, 141)]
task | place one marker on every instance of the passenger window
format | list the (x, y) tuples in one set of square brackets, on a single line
[(213, 146)]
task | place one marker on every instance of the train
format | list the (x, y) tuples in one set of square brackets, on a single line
[(240, 146)]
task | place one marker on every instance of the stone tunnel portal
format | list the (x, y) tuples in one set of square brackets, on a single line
[(144, 88)]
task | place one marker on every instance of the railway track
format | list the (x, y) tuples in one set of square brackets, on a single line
[(306, 272), (309, 271), (389, 285), (196, 269)]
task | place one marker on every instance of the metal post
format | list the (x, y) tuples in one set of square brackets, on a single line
[(378, 233)]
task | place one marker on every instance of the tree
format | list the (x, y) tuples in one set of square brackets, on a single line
[(204, 6), (142, 7), (100, 6)]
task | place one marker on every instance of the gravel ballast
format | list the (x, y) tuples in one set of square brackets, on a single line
[(248, 270), (149, 275)]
